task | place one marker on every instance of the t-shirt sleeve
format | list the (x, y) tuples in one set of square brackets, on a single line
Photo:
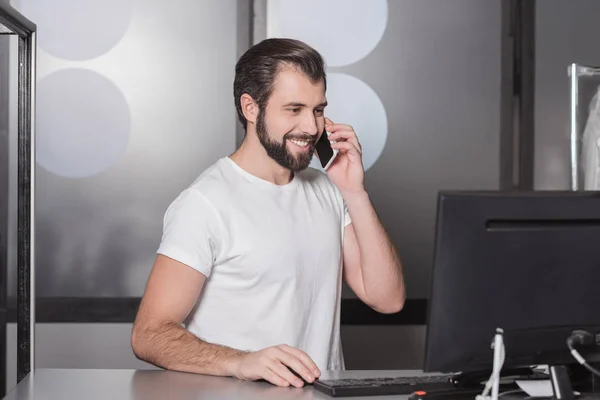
[(347, 219), (191, 232)]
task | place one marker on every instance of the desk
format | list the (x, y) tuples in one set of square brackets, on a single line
[(96, 384)]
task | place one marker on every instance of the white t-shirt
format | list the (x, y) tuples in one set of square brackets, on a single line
[(272, 256)]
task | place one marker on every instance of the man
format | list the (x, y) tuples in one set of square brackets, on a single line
[(254, 251)]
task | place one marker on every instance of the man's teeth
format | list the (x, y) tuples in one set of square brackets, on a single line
[(300, 143)]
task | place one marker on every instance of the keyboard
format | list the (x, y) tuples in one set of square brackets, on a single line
[(383, 386)]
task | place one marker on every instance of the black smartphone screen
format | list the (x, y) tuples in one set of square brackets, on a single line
[(324, 150)]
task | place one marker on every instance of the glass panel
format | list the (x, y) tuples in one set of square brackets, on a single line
[(566, 32), (585, 127), (127, 117)]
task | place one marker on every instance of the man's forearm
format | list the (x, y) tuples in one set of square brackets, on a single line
[(170, 346), (380, 265)]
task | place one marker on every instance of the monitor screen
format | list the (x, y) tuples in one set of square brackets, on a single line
[(525, 262)]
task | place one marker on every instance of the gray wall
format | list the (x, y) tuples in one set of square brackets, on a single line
[(127, 118), (100, 204), (435, 69), (566, 32)]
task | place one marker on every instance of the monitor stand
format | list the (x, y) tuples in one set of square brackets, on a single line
[(565, 380), (561, 383), (473, 379), (582, 380)]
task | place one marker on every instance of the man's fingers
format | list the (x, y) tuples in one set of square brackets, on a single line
[(295, 365), (274, 378), (281, 370), (342, 132), (334, 128), (331, 126), (312, 368), (346, 147), (346, 135)]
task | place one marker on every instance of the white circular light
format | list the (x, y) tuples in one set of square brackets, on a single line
[(343, 31), (80, 132), (353, 102), (78, 30)]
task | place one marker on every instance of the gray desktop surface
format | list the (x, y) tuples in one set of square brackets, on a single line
[(95, 384)]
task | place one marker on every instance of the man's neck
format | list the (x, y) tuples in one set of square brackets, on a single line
[(253, 158)]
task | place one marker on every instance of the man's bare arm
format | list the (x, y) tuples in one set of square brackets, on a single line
[(372, 267), (159, 338)]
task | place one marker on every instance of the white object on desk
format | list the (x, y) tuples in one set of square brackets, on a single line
[(493, 382), (538, 388)]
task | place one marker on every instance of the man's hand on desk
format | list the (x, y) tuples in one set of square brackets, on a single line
[(277, 365)]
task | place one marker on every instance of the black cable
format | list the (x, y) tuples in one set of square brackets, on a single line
[(581, 338), (592, 369)]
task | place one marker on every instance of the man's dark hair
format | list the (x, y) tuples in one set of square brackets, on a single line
[(256, 70)]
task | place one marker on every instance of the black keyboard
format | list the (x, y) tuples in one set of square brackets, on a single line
[(383, 386)]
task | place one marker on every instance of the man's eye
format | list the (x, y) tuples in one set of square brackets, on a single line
[(294, 110), (319, 111)]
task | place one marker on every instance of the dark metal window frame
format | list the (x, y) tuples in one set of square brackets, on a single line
[(14, 23), (516, 172), (518, 95)]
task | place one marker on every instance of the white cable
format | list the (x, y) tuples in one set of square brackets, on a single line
[(493, 382), (583, 362), (578, 357), (498, 362)]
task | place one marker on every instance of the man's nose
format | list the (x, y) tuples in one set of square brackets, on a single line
[(309, 125)]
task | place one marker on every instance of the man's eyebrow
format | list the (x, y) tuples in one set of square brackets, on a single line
[(296, 104)]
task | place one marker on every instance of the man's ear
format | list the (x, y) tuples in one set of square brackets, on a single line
[(249, 108)]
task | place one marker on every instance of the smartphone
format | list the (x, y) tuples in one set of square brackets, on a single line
[(324, 151)]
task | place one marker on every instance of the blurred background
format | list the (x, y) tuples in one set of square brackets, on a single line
[(134, 100)]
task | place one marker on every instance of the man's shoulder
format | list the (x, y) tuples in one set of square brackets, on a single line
[(211, 184), (216, 176)]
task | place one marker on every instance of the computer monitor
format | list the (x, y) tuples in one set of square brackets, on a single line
[(525, 262)]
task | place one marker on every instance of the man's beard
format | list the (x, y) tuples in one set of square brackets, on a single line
[(279, 151)]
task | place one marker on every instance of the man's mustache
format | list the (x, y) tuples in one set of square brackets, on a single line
[(304, 138)]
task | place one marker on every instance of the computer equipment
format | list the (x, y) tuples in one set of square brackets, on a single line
[(525, 262), (383, 385), (420, 385)]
